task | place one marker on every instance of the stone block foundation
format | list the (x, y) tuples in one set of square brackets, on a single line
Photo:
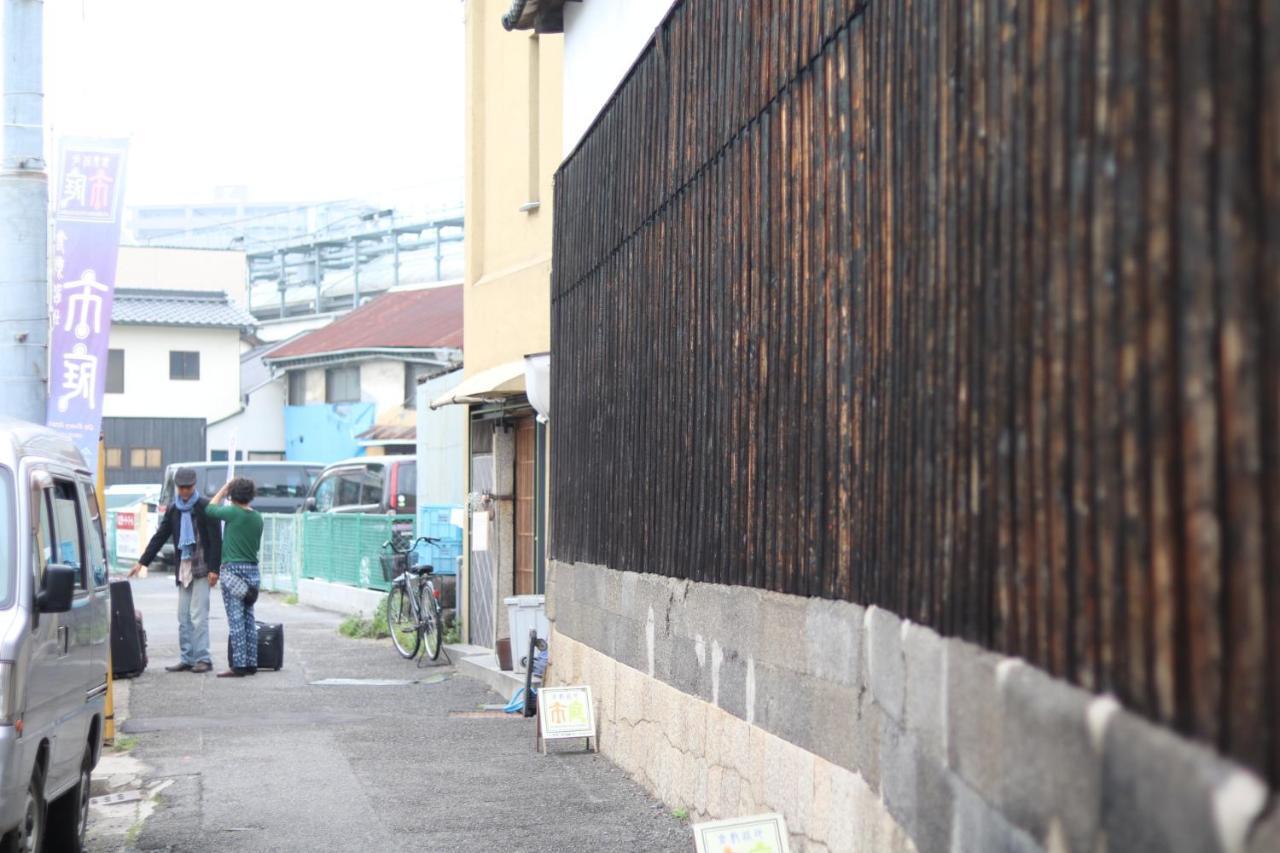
[(870, 733)]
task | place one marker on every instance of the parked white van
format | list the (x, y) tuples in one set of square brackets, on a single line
[(55, 630)]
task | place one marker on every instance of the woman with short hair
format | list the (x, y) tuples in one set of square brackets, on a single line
[(241, 541)]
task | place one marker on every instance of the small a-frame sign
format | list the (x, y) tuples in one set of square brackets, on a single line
[(762, 833), (565, 712)]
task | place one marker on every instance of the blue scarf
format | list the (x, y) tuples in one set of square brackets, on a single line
[(187, 531)]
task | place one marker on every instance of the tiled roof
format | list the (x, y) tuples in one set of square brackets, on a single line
[(409, 319), (136, 307)]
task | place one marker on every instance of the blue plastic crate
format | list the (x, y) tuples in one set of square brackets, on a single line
[(434, 520), (442, 557)]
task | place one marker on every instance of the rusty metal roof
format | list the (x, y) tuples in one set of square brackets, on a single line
[(408, 319)]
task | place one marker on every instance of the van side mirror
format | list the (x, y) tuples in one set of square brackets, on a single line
[(59, 587), (311, 504)]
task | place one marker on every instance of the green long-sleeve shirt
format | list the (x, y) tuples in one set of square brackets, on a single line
[(243, 534)]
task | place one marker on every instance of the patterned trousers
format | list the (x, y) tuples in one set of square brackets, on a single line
[(235, 580)]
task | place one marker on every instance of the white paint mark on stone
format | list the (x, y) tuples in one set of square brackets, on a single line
[(1056, 840), (1005, 669), (944, 702), (751, 690), (1098, 717), (717, 658), (1237, 802), (867, 644), (649, 624), (700, 649)]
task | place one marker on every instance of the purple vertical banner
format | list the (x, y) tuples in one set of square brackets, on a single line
[(88, 208)]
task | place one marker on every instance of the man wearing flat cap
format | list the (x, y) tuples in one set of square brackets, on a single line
[(197, 543)]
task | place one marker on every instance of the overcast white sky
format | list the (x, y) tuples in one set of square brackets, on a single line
[(299, 100)]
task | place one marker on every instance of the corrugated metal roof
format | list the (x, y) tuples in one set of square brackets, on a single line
[(412, 319), (134, 307)]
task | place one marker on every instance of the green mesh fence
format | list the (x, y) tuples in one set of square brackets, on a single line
[(343, 548)]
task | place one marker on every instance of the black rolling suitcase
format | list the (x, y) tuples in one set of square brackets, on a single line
[(128, 639), (270, 646)]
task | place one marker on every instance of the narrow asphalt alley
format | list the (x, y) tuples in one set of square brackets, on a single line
[(404, 758)]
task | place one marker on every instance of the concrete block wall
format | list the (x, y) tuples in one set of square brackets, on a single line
[(872, 733)]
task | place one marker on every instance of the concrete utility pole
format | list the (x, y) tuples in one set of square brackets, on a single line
[(24, 214)]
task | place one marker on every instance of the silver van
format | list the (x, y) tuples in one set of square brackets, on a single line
[(55, 629)]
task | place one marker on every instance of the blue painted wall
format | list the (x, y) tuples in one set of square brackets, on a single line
[(325, 432)]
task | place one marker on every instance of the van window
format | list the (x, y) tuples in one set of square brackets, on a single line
[(8, 523), (210, 478), (280, 481), (326, 491), (372, 487), (349, 482), (66, 527), (97, 541)]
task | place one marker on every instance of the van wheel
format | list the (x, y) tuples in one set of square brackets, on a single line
[(69, 814), (29, 836)]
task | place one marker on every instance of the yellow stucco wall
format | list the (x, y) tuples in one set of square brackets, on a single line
[(514, 125)]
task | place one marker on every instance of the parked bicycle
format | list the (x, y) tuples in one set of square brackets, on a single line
[(414, 617)]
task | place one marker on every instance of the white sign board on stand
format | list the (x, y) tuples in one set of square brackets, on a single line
[(565, 712), (762, 833)]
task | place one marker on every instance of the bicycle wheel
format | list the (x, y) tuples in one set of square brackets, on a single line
[(432, 623), (402, 622)]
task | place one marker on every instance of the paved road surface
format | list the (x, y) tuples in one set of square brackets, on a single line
[(279, 762)]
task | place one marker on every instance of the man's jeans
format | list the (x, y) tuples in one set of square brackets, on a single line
[(193, 621)]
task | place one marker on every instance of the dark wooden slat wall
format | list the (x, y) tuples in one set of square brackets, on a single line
[(968, 310)]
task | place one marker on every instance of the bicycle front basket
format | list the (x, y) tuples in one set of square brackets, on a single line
[(393, 565)]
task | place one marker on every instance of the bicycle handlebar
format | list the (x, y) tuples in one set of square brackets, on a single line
[(430, 540)]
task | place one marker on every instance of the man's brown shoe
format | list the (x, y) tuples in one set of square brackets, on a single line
[(178, 667), (202, 666), (231, 673)]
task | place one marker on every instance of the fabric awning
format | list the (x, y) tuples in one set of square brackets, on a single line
[(487, 386)]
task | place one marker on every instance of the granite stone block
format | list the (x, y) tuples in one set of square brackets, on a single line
[(866, 740), (833, 641), (917, 789), (975, 718), (885, 664), (977, 826), (782, 631), (1158, 789), (1049, 767), (926, 690), (833, 720)]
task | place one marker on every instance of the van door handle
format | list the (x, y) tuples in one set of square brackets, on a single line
[(63, 638)]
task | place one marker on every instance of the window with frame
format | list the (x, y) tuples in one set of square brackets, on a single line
[(96, 536), (342, 384), (297, 387), (184, 365), (326, 491), (115, 457), (115, 371), (372, 493), (348, 485), (67, 528), (144, 457)]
